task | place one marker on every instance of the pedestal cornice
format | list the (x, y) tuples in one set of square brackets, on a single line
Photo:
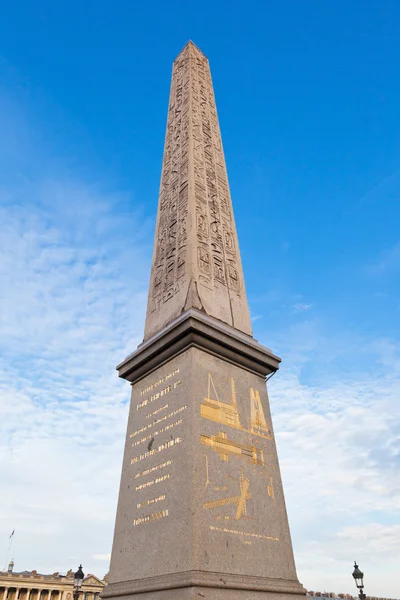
[(195, 329)]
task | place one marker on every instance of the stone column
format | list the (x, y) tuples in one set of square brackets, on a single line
[(5, 593)]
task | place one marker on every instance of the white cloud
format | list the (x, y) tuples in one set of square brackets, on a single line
[(67, 318), (338, 443), (300, 307), (74, 261), (256, 318)]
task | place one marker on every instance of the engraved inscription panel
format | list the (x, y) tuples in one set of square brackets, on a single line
[(240, 495), (252, 447), (153, 493)]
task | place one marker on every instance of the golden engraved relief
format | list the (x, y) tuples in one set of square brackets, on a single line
[(270, 488), (221, 412), (240, 501), (221, 444), (226, 413), (222, 407), (207, 474), (258, 423)]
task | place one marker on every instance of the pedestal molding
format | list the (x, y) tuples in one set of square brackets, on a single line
[(203, 579), (195, 329)]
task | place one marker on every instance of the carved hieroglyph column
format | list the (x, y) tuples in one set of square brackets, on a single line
[(196, 260), (201, 511)]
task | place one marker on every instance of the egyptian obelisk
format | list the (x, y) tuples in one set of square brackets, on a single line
[(201, 511)]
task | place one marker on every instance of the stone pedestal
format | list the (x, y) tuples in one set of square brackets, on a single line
[(201, 512)]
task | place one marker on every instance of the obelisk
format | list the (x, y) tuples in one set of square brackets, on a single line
[(201, 511)]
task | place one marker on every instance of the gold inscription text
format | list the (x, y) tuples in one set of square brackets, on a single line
[(153, 517), (156, 468), (159, 382), (152, 501)]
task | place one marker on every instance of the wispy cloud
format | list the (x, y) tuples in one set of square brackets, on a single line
[(256, 318), (338, 443), (300, 307), (73, 277)]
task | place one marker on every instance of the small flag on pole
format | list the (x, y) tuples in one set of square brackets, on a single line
[(13, 531)]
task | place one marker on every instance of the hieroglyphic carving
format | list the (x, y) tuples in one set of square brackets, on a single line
[(216, 240), (171, 236), (195, 237)]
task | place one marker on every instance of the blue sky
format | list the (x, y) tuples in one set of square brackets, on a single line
[(308, 96)]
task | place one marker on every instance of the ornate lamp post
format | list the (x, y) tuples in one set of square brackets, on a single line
[(359, 579), (78, 578)]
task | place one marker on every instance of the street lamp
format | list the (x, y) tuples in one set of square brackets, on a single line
[(78, 578), (359, 579)]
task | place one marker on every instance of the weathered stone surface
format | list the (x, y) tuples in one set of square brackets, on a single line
[(196, 260)]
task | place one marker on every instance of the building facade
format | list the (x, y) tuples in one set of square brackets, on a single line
[(31, 585), (326, 595)]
